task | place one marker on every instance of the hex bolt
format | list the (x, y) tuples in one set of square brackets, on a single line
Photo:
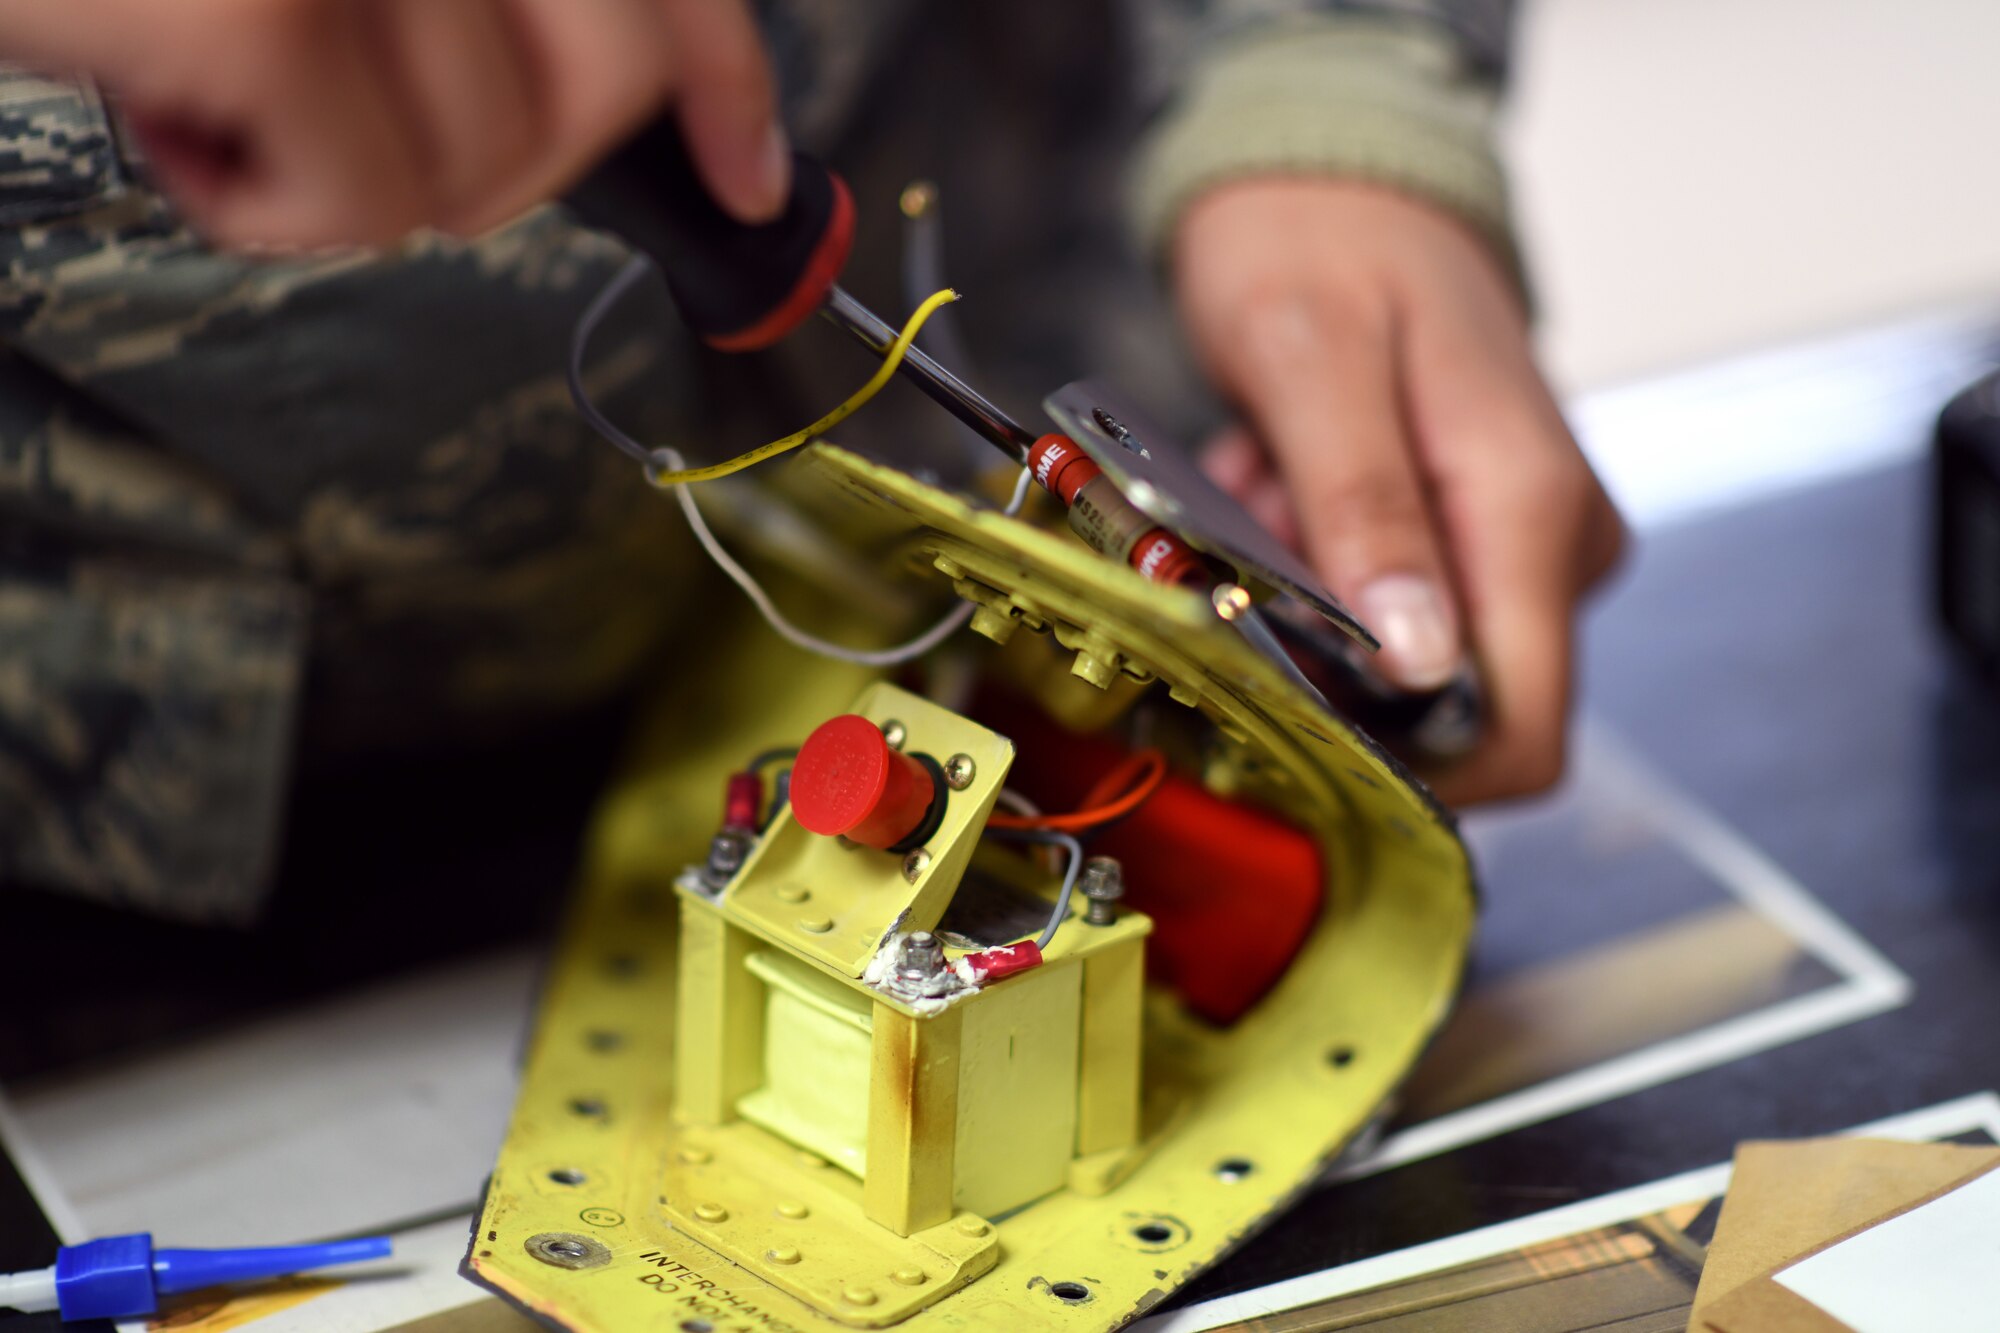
[(895, 733), (920, 957), (958, 772), (1103, 886), (727, 851)]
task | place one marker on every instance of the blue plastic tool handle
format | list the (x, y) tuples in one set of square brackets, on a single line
[(185, 1270), (121, 1276), (110, 1278)]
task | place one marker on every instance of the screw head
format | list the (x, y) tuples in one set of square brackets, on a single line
[(973, 1226), (959, 771), (915, 864), (895, 733)]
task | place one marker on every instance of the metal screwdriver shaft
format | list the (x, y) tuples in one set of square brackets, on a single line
[(940, 385)]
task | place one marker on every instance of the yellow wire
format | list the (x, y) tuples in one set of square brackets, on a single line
[(890, 360)]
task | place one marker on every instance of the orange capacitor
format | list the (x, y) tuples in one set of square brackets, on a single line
[(848, 781)]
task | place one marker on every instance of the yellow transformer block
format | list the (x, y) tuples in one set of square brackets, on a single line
[(732, 1118)]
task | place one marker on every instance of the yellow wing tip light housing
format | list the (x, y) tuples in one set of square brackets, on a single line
[(900, 1075)]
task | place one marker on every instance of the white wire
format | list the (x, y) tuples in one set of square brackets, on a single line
[(666, 459), (785, 629), (1017, 803)]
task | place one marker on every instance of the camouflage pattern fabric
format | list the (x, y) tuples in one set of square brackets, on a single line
[(259, 519), (326, 508)]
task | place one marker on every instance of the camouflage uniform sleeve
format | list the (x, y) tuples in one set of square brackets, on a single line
[(149, 640), (1399, 92), (257, 517)]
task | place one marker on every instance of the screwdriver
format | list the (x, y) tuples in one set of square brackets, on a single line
[(743, 287)]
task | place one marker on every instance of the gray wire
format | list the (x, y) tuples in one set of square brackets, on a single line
[(579, 344), (1050, 838), (663, 459)]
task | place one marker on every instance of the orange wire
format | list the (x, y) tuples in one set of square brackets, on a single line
[(1137, 777)]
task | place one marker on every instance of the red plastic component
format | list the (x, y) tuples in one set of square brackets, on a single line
[(1233, 890), (1003, 962), (1061, 466), (742, 801), (846, 780), (1165, 558)]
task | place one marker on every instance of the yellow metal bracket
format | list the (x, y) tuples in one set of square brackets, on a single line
[(829, 900)]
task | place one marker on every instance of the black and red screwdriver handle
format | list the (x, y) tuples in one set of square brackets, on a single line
[(739, 286)]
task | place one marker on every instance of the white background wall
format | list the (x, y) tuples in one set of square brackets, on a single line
[(1697, 177)]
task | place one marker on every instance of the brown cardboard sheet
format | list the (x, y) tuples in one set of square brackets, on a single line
[(1787, 1200)]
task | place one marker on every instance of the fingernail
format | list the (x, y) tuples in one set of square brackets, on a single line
[(1414, 622), (770, 176)]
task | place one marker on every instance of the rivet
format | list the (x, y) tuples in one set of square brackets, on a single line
[(814, 1160), (958, 771), (895, 733), (793, 1208), (859, 1295), (911, 1276), (792, 893), (915, 864), (564, 1249), (711, 1212), (973, 1226), (783, 1254), (817, 925), (696, 1156)]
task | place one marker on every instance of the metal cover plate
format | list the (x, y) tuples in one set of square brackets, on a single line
[(1158, 474)]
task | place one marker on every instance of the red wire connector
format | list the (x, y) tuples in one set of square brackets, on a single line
[(1003, 962), (742, 800)]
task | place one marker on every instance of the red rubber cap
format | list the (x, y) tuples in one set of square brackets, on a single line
[(846, 780)]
